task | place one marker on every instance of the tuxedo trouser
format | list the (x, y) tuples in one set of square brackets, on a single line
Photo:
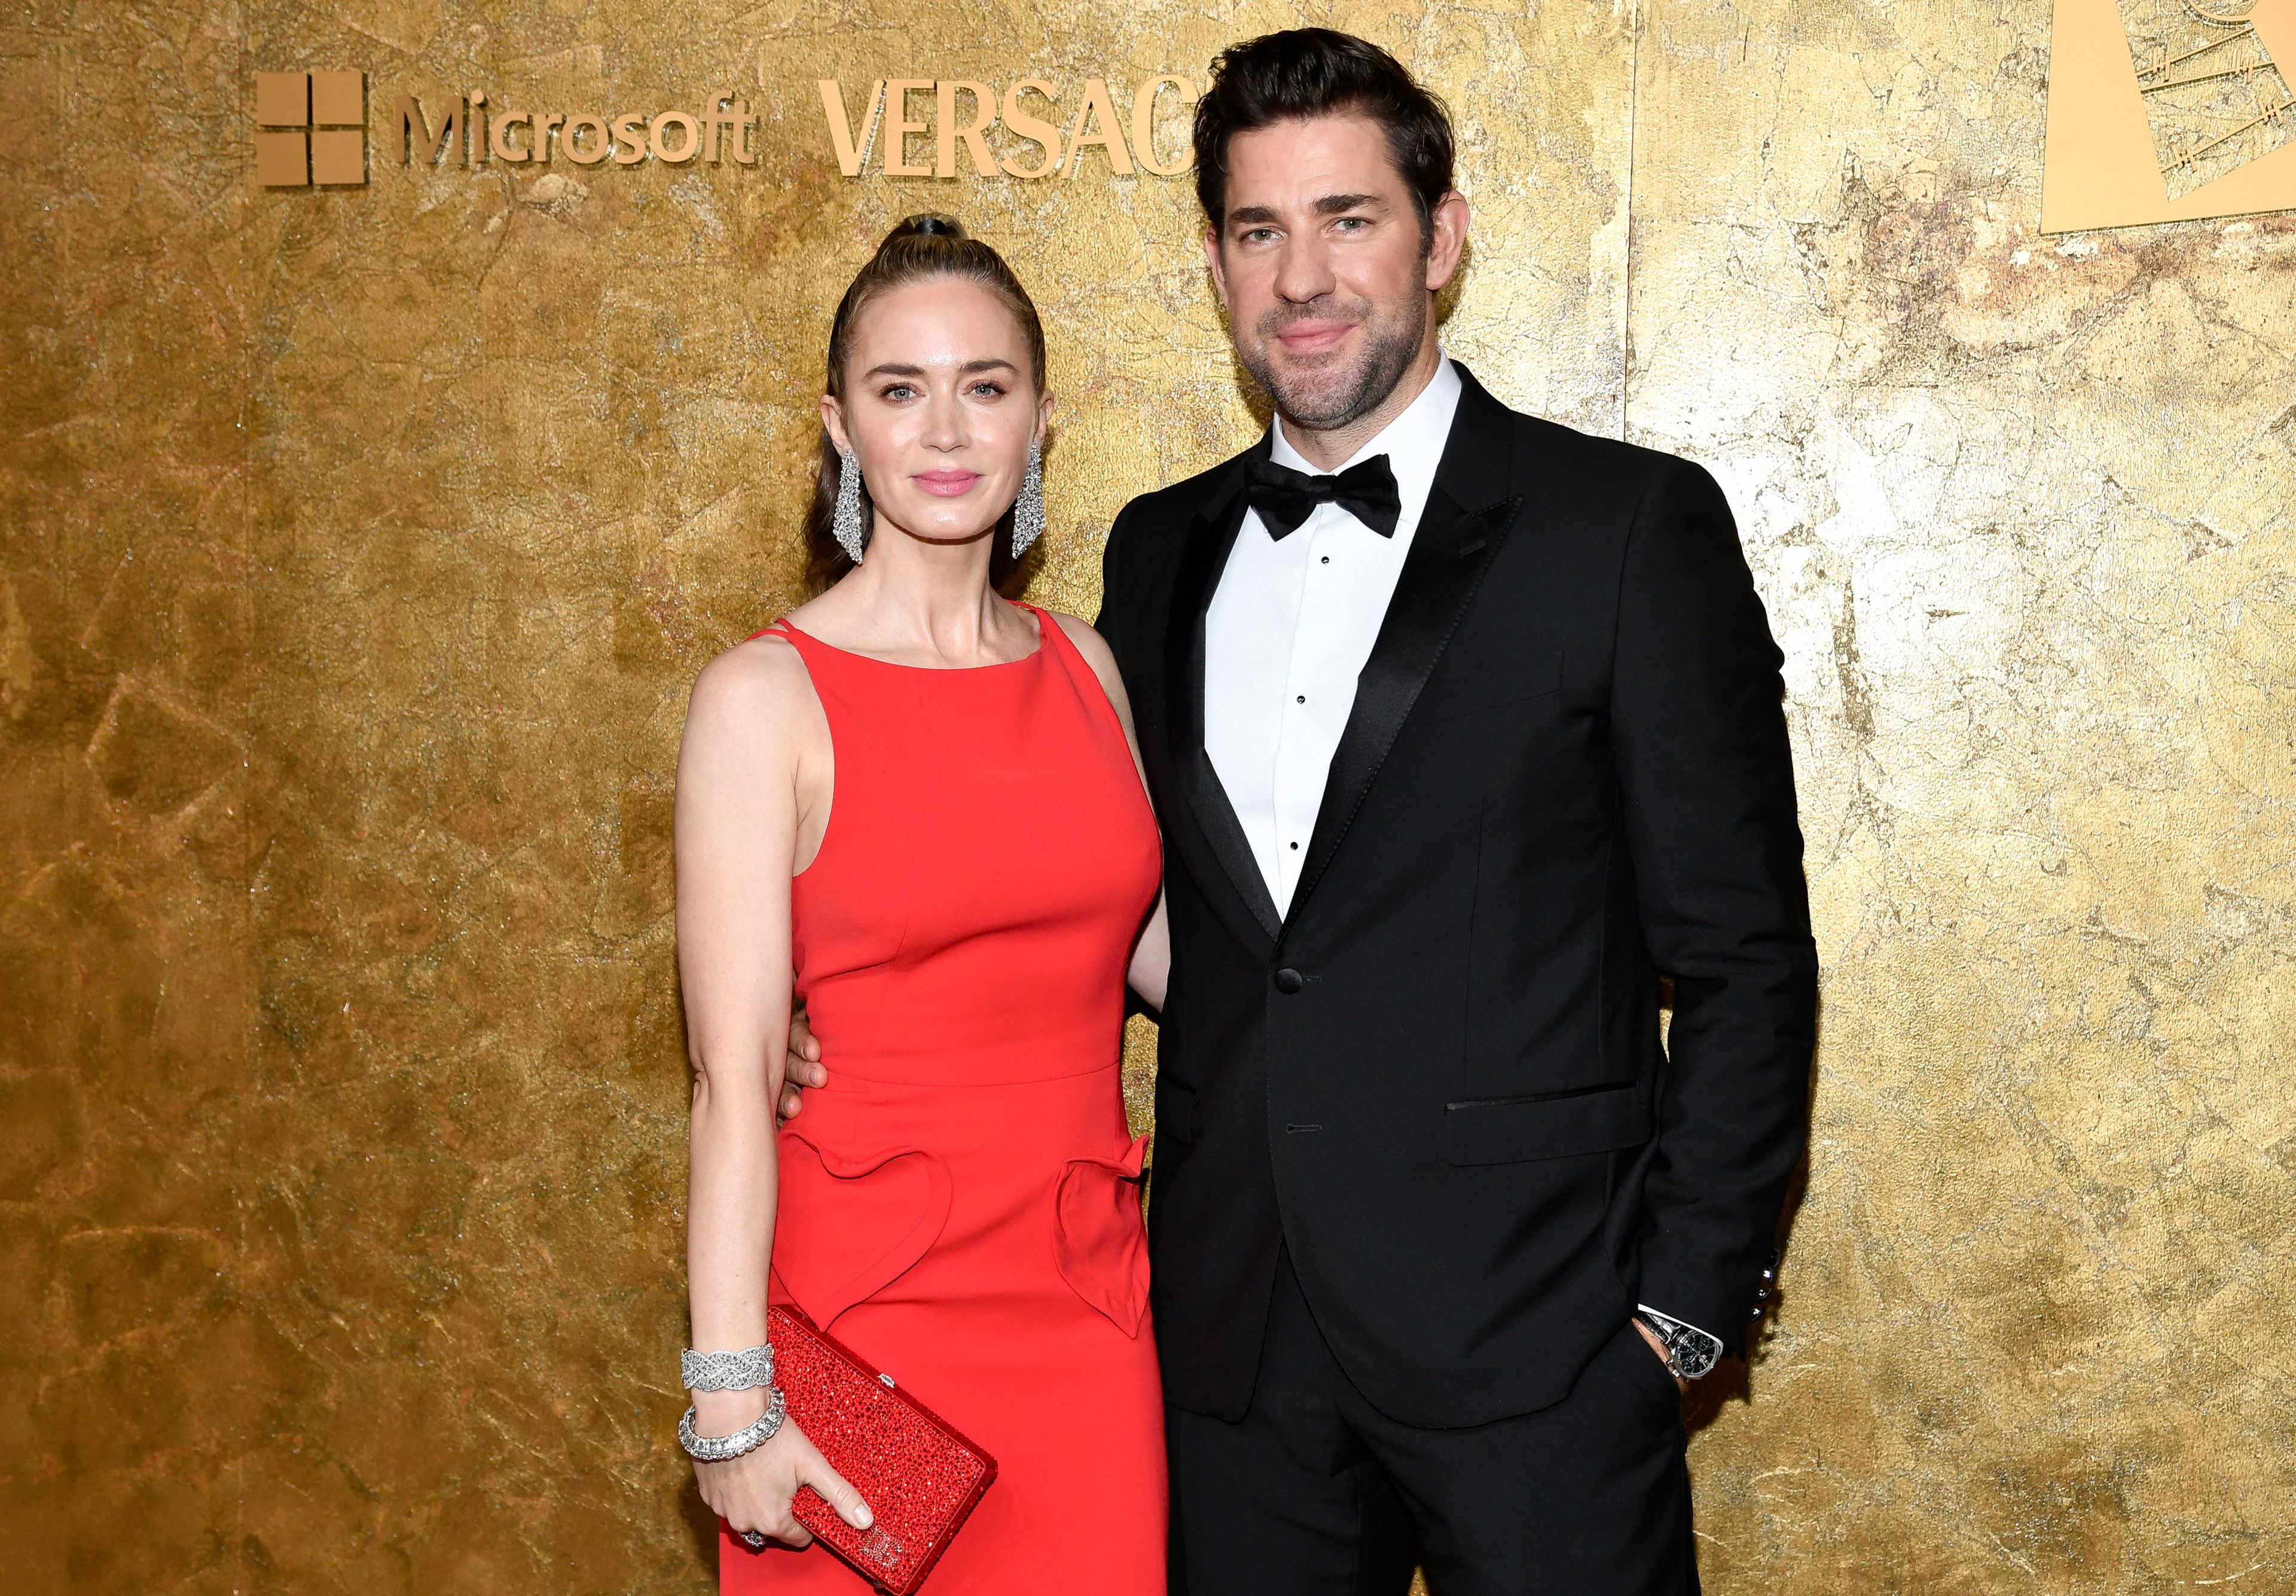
[(1315, 1493)]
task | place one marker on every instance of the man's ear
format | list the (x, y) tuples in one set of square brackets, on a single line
[(1218, 266), (1447, 225)]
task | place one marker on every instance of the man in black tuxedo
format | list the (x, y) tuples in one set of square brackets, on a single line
[(1463, 727)]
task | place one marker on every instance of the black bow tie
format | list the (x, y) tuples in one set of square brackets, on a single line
[(1285, 497)]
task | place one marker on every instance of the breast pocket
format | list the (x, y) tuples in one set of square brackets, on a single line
[(1470, 689)]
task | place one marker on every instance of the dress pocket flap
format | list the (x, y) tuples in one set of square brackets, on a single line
[(1509, 1130), (849, 1226), (1098, 1239)]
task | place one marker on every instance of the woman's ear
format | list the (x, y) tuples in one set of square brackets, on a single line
[(833, 421), (1044, 420)]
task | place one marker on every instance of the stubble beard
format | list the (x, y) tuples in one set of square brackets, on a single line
[(1325, 394)]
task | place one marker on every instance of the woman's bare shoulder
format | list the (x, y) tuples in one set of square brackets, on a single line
[(1096, 653), (760, 686), (1088, 643)]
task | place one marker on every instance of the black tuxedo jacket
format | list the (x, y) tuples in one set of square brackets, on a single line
[(1439, 1080)]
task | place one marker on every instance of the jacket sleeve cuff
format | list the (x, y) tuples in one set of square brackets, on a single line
[(1725, 1300), (1709, 1298)]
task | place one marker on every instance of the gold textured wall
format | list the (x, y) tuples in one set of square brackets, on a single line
[(360, 543)]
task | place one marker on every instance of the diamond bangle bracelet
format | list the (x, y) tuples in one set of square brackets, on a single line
[(719, 1448), (743, 1371)]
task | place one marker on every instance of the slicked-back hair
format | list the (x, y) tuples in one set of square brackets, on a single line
[(921, 248), (1313, 72)]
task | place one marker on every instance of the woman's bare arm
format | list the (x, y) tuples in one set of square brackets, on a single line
[(736, 840), (1151, 975), (741, 774)]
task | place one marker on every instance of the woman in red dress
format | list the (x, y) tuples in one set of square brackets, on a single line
[(913, 808)]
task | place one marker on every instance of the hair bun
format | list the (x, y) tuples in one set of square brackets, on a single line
[(928, 225)]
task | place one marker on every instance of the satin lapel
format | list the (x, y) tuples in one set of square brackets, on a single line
[(1460, 532), (1211, 535)]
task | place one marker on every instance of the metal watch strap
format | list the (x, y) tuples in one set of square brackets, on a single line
[(1690, 1352)]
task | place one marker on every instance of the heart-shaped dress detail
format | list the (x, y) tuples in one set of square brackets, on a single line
[(889, 1208), (1098, 1237)]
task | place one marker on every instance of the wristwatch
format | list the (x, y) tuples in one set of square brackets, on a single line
[(1690, 1352)]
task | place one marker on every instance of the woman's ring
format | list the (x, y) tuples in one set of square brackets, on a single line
[(755, 1539)]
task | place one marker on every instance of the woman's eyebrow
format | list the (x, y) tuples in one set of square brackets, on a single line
[(897, 369)]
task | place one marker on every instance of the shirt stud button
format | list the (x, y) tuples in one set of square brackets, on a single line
[(1303, 698)]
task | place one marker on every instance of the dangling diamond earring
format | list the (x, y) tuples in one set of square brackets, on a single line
[(847, 526), (1029, 509)]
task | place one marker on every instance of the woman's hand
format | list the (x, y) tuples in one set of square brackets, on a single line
[(801, 1069), (753, 1492)]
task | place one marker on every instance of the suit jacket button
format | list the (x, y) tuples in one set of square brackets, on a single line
[(1289, 981)]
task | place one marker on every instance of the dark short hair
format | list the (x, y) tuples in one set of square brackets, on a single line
[(1314, 73)]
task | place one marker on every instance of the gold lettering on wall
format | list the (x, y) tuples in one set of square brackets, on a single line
[(898, 127), (629, 138), (1096, 104), (602, 139), (686, 144), (472, 133), (850, 143), (438, 147), (311, 130), (984, 116), (1144, 128), (1031, 129), (498, 136), (1008, 135), (729, 116)]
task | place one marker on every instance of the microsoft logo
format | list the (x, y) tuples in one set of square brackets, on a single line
[(312, 129)]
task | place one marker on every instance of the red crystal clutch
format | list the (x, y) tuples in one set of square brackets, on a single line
[(919, 1477)]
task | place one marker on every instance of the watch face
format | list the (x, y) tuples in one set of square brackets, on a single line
[(1693, 1353)]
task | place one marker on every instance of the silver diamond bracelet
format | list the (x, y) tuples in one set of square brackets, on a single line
[(743, 1371), (719, 1448)]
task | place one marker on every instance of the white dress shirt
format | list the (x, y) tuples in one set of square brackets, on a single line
[(1289, 631)]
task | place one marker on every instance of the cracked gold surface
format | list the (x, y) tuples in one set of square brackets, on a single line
[(360, 546)]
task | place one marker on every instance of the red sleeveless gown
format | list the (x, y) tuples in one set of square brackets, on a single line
[(961, 1204)]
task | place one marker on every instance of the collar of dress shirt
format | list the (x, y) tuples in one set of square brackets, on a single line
[(1412, 443)]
